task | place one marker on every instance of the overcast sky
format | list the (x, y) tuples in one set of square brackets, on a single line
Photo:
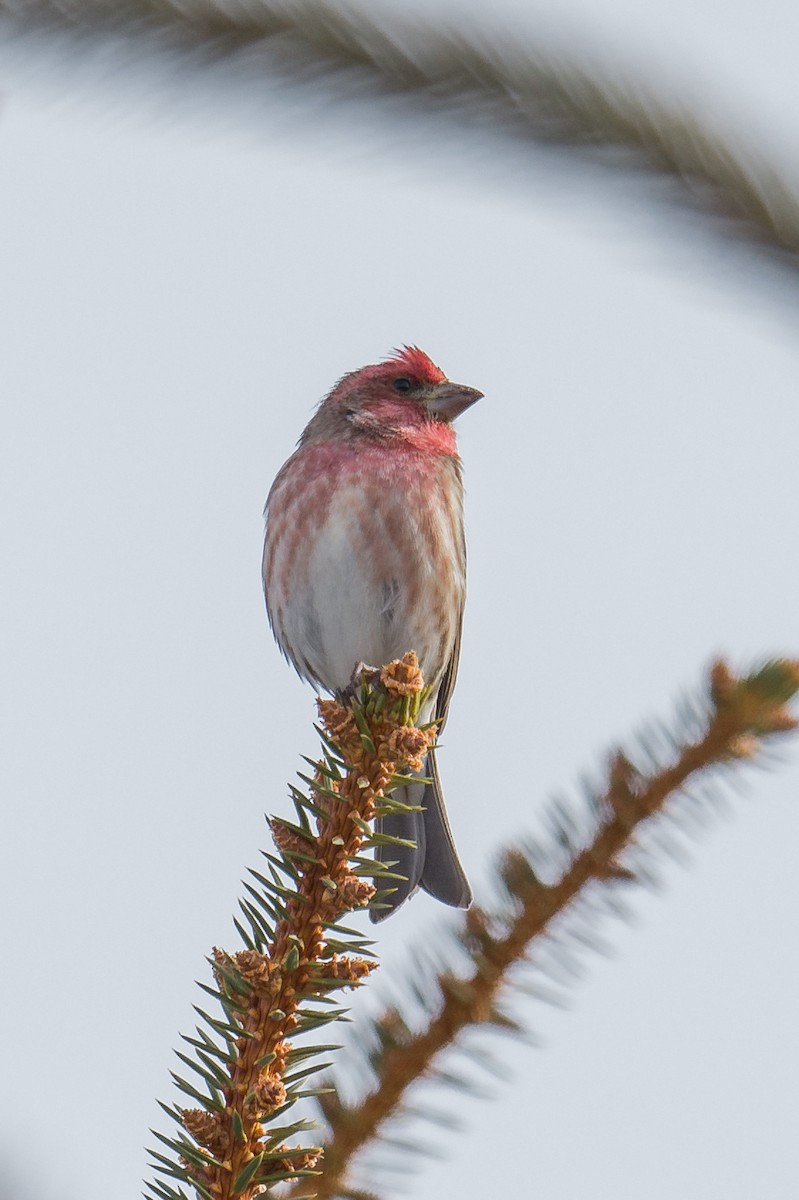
[(185, 272)]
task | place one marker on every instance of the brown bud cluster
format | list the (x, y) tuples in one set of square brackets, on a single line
[(206, 1129), (353, 892), (279, 1063), (409, 745), (268, 1094), (296, 1159), (338, 721), (345, 969), (288, 840), (402, 676), (256, 970)]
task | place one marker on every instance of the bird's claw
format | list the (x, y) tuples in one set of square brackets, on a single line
[(362, 673)]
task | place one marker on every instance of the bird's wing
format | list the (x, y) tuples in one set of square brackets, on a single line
[(442, 873), (450, 675)]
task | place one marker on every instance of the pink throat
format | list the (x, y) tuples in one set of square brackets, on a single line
[(433, 437), (411, 451)]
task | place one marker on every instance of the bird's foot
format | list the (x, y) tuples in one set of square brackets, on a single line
[(362, 672)]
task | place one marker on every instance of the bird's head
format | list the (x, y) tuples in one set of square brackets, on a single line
[(404, 398)]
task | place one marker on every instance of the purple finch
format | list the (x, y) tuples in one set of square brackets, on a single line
[(365, 559)]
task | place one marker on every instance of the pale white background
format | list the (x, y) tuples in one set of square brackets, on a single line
[(188, 263)]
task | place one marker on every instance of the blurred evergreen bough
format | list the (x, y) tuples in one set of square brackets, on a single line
[(499, 81)]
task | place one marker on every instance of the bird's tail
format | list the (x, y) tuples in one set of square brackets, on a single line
[(432, 862)]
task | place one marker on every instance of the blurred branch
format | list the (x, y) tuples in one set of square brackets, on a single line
[(739, 716), (501, 82)]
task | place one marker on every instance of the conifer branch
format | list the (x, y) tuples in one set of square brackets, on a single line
[(296, 953), (503, 82), (740, 716)]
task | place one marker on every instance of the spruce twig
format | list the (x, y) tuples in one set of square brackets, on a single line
[(741, 716), (232, 1143)]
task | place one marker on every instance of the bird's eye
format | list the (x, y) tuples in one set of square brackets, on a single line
[(403, 384)]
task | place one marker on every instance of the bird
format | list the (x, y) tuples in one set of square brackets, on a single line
[(365, 558)]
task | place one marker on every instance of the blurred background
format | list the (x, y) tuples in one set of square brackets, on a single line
[(193, 247)]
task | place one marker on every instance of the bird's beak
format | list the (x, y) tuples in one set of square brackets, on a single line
[(446, 401)]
